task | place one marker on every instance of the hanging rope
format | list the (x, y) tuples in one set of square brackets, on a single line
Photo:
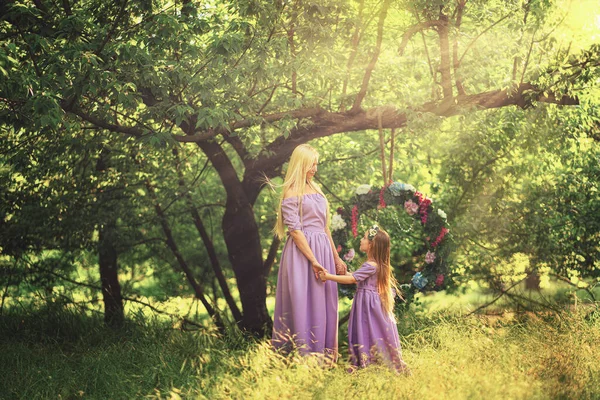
[(391, 174), (382, 148)]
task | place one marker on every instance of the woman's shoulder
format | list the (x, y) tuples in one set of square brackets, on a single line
[(370, 263), (293, 193)]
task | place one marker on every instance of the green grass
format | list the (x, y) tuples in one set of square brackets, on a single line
[(58, 353)]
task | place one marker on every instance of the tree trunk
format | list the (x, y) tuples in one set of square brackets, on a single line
[(242, 239), (445, 58), (243, 245), (114, 315)]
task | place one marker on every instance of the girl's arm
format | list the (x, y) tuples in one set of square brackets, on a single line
[(302, 244), (347, 279)]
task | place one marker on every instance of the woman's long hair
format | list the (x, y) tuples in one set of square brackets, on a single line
[(302, 159), (379, 251)]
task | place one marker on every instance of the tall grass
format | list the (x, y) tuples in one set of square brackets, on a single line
[(61, 353)]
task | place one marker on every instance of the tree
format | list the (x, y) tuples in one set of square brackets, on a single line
[(249, 81)]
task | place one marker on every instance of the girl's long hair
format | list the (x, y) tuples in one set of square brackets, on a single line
[(379, 251), (302, 159)]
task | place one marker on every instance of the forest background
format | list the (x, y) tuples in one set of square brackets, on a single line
[(136, 245)]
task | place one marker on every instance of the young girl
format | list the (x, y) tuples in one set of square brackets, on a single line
[(372, 331)]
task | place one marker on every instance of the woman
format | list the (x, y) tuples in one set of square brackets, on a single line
[(306, 314)]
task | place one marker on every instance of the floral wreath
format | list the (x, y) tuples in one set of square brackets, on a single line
[(433, 273)]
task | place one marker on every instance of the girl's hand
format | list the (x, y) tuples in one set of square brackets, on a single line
[(318, 269)]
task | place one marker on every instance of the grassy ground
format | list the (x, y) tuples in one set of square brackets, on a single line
[(56, 353)]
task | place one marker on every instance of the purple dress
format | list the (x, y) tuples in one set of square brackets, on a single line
[(372, 334), (306, 309)]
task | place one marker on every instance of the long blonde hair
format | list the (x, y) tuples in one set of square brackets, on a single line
[(302, 159), (379, 251)]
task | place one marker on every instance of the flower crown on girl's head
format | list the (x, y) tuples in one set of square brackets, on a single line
[(372, 232)]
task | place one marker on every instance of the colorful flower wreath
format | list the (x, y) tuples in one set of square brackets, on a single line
[(433, 273)]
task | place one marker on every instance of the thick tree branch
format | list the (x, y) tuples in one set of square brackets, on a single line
[(198, 291), (445, 65), (355, 42), (208, 244), (203, 136), (367, 77), (127, 130), (327, 124), (67, 7), (268, 264), (457, 79)]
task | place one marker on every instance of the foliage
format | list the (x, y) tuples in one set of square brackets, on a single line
[(450, 357)]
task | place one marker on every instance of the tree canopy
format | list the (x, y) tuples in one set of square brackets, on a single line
[(144, 121)]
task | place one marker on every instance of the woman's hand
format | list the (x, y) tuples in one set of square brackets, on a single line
[(318, 269), (340, 267)]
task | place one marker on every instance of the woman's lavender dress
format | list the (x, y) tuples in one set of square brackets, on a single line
[(306, 309), (372, 334)]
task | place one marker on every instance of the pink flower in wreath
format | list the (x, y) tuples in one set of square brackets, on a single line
[(339, 248), (439, 280), (411, 207), (440, 237), (429, 257), (381, 200), (349, 256)]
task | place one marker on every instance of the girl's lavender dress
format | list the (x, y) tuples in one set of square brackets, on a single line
[(372, 334), (306, 309)]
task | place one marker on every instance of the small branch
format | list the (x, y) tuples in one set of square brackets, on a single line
[(329, 190), (112, 30), (528, 56), (127, 130), (410, 32), (266, 103), (426, 48), (199, 292), (518, 296), (566, 280), (481, 34), (343, 320), (496, 299), (292, 45), (268, 264)]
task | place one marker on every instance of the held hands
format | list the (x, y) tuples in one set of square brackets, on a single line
[(323, 276), (318, 269)]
